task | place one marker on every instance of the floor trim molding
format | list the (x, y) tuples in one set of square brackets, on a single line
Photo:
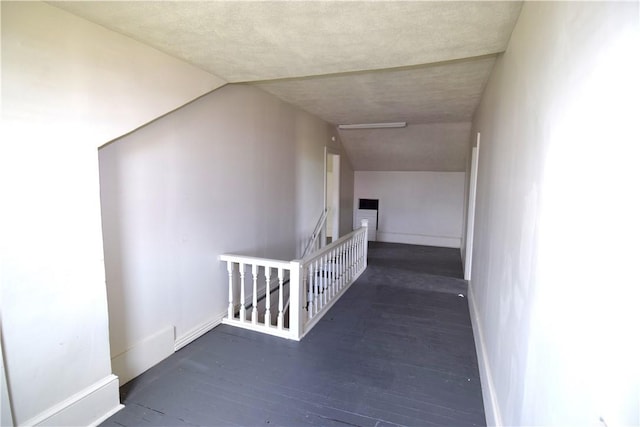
[(418, 239), (143, 355), (199, 331), (489, 397), (89, 407)]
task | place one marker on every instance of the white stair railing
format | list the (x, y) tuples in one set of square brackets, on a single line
[(258, 287), (312, 243)]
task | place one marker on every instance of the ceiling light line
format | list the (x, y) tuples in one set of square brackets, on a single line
[(373, 125)]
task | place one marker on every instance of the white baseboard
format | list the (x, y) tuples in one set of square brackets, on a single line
[(419, 239), (89, 407), (491, 406), (199, 331), (143, 355)]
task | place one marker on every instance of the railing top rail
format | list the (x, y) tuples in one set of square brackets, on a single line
[(316, 232), (275, 263), (264, 262), (312, 256)]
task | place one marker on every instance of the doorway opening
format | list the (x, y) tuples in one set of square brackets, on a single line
[(332, 195)]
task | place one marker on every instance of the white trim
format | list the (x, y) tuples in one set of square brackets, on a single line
[(489, 397), (199, 331), (106, 416), (274, 284), (144, 355), (324, 179), (90, 406), (260, 327), (471, 208), (419, 239), (6, 407)]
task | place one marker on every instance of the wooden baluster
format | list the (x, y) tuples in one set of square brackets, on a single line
[(312, 267), (332, 265), (243, 309), (341, 266), (363, 243), (323, 279), (357, 254), (320, 277), (357, 243), (312, 285), (355, 259), (316, 289), (347, 263), (267, 311), (362, 252), (280, 298), (320, 280), (345, 267), (327, 282), (230, 271), (337, 269), (328, 275), (310, 291), (351, 259), (254, 310)]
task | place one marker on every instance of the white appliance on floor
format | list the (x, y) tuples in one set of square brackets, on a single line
[(372, 216)]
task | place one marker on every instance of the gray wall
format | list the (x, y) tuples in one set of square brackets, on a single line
[(423, 208), (68, 87), (237, 171), (553, 291)]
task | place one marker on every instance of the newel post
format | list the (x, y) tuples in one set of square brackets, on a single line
[(296, 316), (365, 224)]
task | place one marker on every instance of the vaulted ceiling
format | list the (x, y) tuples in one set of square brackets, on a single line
[(422, 62)]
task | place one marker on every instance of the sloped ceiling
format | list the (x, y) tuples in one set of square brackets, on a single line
[(442, 92), (346, 62)]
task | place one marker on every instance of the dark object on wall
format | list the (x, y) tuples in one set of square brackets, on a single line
[(368, 204)]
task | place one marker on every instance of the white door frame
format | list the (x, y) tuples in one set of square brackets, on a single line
[(471, 209)]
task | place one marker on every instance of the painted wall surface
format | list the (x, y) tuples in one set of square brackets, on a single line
[(554, 294), (68, 86), (415, 207), (312, 136), (67, 63), (236, 171), (347, 178)]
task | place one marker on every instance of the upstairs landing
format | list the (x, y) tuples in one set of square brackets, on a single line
[(396, 349)]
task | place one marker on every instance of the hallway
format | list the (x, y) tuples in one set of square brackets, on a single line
[(397, 349)]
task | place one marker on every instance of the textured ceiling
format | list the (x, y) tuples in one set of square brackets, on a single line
[(346, 62), (444, 92), (431, 147), (248, 41)]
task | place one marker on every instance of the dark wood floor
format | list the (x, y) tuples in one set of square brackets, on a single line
[(397, 349)]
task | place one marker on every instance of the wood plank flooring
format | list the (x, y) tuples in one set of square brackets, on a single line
[(397, 349)]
